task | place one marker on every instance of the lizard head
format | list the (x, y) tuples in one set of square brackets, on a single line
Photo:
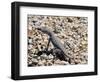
[(45, 30)]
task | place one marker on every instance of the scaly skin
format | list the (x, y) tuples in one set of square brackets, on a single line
[(55, 41)]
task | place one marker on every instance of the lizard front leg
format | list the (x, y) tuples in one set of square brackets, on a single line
[(48, 44)]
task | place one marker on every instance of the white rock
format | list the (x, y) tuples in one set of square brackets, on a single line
[(30, 27), (30, 46), (30, 62), (64, 63), (44, 56), (50, 56), (39, 58), (40, 63), (34, 60), (30, 41)]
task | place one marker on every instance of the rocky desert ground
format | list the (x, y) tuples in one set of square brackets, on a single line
[(72, 32)]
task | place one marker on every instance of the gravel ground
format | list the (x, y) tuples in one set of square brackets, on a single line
[(72, 32)]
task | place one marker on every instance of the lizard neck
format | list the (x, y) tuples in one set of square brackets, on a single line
[(51, 34)]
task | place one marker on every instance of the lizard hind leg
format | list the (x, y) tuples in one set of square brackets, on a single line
[(59, 54)]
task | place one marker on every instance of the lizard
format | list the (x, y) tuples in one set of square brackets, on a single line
[(55, 41)]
